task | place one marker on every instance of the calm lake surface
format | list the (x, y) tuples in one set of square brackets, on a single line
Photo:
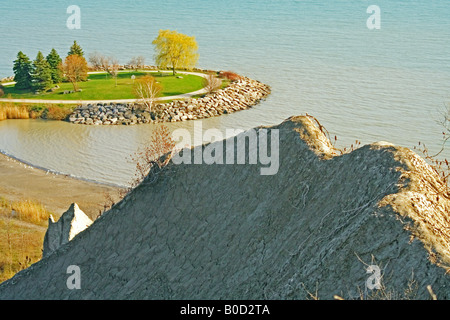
[(319, 57)]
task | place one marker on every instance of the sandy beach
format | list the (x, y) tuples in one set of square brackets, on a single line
[(19, 181)]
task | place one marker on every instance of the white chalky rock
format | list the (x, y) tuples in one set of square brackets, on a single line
[(71, 223)]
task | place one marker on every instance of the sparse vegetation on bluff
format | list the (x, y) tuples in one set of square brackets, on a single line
[(22, 229)]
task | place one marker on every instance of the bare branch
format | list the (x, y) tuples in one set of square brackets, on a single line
[(146, 89), (211, 83)]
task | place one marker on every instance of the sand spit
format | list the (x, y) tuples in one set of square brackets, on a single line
[(20, 181)]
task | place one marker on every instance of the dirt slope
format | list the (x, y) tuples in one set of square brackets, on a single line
[(227, 232)]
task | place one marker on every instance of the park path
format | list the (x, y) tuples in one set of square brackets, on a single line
[(180, 96)]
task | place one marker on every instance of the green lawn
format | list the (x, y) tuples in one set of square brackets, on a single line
[(103, 87)]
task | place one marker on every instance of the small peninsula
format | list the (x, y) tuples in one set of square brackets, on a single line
[(105, 92)]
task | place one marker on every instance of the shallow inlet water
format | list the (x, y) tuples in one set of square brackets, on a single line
[(319, 58)]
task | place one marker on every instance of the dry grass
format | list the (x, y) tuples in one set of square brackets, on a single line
[(12, 111), (20, 246), (22, 231), (25, 210), (30, 211)]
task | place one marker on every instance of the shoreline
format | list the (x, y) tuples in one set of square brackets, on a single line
[(21, 181), (57, 173)]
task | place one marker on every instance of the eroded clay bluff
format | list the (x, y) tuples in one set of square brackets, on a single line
[(227, 232)]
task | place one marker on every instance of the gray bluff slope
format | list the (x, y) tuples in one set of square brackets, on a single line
[(227, 232)]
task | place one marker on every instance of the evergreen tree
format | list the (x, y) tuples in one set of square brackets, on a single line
[(22, 71), (41, 74), (54, 60), (75, 49)]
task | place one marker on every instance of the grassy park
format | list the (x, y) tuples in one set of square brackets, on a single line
[(102, 86)]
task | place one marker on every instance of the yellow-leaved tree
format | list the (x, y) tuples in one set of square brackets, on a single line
[(175, 50)]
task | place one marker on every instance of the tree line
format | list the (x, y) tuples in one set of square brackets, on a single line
[(173, 50), (43, 73)]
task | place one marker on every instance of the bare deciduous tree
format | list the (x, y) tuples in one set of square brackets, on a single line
[(140, 62), (440, 165), (95, 59), (156, 154), (211, 83), (147, 90), (104, 61), (445, 124), (113, 67), (99, 61), (137, 62)]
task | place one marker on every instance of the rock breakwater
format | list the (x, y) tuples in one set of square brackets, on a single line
[(239, 95)]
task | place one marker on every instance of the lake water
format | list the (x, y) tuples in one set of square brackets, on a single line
[(319, 57)]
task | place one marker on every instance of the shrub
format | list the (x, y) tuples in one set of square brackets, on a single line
[(211, 83), (146, 89), (58, 112), (441, 166), (230, 75), (36, 111), (156, 154)]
